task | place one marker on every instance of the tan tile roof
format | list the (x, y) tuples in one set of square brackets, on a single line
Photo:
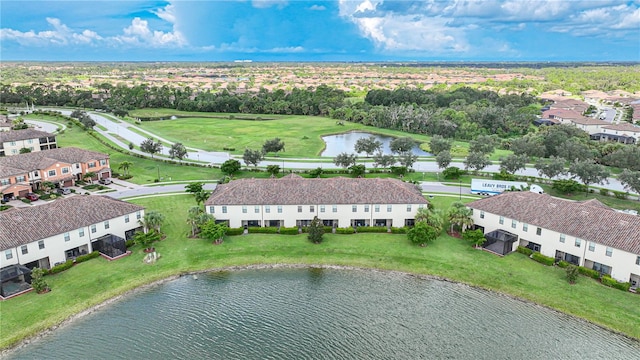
[(583, 120), (43, 159), (25, 134), (623, 127), (586, 220), (24, 225), (294, 190)]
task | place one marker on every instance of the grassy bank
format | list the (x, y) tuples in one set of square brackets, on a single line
[(95, 281)]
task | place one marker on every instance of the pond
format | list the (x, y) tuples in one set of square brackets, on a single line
[(336, 144), (324, 314)]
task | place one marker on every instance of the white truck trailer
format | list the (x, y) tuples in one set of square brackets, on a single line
[(494, 187)]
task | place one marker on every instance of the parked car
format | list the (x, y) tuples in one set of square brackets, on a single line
[(32, 196), (63, 191), (105, 181)]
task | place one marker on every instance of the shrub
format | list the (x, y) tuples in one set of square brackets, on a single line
[(589, 272), (129, 243), (543, 259), (371, 229), (604, 192), (608, 281), (572, 273), (235, 231), (345, 231), (89, 256), (524, 250), (564, 264), (263, 230), (61, 267), (289, 230), (38, 282), (621, 195), (26, 201)]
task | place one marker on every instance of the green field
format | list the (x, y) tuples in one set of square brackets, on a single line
[(95, 281)]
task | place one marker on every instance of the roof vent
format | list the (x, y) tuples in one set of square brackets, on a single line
[(584, 212), (623, 223)]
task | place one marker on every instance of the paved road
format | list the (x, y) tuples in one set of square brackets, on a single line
[(122, 130)]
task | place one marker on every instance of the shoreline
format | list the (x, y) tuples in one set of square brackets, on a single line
[(69, 320)]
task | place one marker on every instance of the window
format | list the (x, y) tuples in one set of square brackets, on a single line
[(321, 208), (41, 244), (5, 182), (525, 227), (224, 209), (91, 165), (514, 224), (65, 170), (609, 251), (81, 232), (481, 214), (256, 209), (67, 237), (538, 231), (376, 208), (8, 254), (299, 208), (24, 249), (578, 242), (279, 209), (334, 208), (244, 209), (312, 208), (421, 206), (408, 207), (267, 209), (638, 260), (354, 208), (501, 220), (103, 162), (366, 208), (93, 229), (126, 218), (14, 151), (52, 172), (138, 215), (106, 224), (20, 178), (389, 208), (30, 141), (562, 238), (13, 143)]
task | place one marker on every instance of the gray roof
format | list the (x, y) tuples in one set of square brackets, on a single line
[(295, 190), (25, 225), (25, 134), (587, 220), (42, 159)]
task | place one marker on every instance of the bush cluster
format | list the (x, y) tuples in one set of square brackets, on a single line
[(263, 230), (399, 230), (61, 267), (289, 230), (546, 260), (589, 272), (89, 256), (345, 231), (235, 231), (608, 281), (563, 264), (371, 229), (524, 250)]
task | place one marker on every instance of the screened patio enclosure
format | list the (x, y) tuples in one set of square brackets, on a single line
[(14, 280), (110, 245), (500, 241)]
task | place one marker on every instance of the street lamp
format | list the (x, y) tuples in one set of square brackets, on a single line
[(460, 184), (158, 172)]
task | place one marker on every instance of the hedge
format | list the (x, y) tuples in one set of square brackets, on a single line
[(399, 230), (345, 231), (235, 231), (289, 230), (263, 230), (61, 267), (546, 260), (524, 250), (89, 256), (563, 264), (371, 229), (607, 280), (589, 272)]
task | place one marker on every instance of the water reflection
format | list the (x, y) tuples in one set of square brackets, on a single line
[(336, 144)]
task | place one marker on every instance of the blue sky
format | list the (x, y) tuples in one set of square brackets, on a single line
[(344, 30)]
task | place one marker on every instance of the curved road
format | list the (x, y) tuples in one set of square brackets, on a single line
[(122, 130)]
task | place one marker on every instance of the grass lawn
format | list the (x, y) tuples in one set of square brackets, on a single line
[(97, 280)]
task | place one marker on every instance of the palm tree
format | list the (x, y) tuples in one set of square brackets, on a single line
[(90, 175), (125, 165), (201, 197), (460, 215), (432, 217), (196, 218), (152, 220)]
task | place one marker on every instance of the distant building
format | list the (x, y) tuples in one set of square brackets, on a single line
[(294, 201), (12, 141)]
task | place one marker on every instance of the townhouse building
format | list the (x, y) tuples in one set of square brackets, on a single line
[(587, 233), (294, 201), (12, 141), (23, 173)]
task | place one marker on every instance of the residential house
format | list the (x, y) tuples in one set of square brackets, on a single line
[(45, 235), (294, 201), (623, 132), (12, 141), (586, 233), (22, 173)]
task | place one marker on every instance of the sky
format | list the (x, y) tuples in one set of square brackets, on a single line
[(343, 30)]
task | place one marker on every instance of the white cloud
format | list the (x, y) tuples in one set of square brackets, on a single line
[(316, 7), (262, 4), (139, 34), (59, 35)]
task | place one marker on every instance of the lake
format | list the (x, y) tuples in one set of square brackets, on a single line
[(325, 314), (336, 144)]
